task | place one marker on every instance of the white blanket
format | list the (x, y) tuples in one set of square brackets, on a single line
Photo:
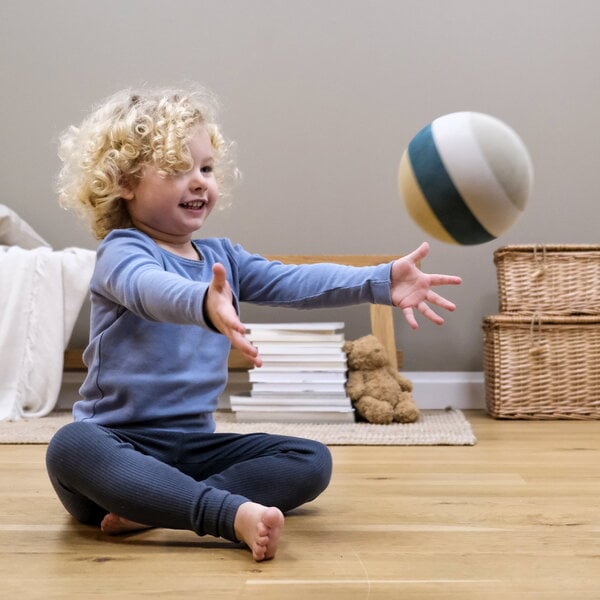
[(41, 294)]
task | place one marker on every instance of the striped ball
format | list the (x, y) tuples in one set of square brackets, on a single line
[(465, 178)]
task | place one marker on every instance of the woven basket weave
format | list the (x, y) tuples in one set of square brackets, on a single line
[(542, 367), (550, 279)]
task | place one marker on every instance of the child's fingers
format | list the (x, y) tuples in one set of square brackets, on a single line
[(445, 280), (426, 311), (430, 314), (219, 280), (241, 343), (409, 315), (420, 253), (230, 321), (440, 301)]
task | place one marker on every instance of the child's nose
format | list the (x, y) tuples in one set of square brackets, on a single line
[(198, 181)]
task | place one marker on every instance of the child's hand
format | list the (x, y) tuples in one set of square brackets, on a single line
[(218, 306), (411, 288)]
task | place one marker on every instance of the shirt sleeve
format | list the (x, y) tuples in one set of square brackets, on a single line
[(129, 272), (321, 285)]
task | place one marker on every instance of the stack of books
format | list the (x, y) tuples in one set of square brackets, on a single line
[(303, 377)]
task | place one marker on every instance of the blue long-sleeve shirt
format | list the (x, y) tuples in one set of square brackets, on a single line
[(153, 360)]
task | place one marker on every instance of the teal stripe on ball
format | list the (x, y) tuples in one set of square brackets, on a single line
[(440, 192)]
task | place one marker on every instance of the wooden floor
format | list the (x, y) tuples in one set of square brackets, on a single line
[(516, 516)]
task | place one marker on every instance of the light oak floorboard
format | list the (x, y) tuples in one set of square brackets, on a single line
[(516, 516)]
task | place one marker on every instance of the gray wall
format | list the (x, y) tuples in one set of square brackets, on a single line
[(322, 97)]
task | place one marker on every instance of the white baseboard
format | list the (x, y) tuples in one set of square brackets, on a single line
[(439, 389), (432, 389)]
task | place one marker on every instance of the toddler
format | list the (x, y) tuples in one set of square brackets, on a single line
[(145, 170)]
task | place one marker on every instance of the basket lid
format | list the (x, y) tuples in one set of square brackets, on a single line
[(540, 319), (545, 249)]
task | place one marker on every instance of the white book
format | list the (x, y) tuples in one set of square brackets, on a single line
[(278, 368), (295, 336), (310, 356), (296, 327), (289, 403), (297, 348), (267, 374), (307, 364), (307, 387), (296, 397), (246, 398), (295, 417), (326, 359), (298, 408)]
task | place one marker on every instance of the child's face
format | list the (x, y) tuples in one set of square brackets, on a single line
[(169, 209)]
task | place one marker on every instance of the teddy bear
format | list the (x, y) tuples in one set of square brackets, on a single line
[(378, 393)]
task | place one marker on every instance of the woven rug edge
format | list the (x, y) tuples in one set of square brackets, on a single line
[(447, 427)]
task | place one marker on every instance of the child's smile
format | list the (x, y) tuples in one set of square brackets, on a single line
[(194, 204)]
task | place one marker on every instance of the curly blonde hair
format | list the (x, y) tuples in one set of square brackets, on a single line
[(128, 131)]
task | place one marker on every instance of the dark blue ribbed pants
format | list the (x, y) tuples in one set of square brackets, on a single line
[(194, 481)]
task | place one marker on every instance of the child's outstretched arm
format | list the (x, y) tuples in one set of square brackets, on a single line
[(218, 307), (411, 288)]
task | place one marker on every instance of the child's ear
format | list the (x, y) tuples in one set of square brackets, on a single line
[(127, 187), (126, 193)]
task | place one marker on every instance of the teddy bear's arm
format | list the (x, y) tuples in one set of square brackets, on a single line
[(405, 383), (355, 385)]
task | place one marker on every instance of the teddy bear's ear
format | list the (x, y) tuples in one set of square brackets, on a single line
[(347, 347)]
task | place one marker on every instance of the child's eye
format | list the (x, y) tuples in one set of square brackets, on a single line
[(207, 169)]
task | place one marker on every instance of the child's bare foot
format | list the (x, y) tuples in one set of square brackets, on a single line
[(260, 528), (114, 525)]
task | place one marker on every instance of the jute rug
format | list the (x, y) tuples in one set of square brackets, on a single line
[(434, 428)]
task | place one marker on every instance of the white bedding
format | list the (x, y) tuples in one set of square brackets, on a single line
[(41, 294)]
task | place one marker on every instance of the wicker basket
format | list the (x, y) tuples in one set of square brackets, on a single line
[(542, 368), (549, 279)]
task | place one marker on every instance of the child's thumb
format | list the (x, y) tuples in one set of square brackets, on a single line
[(219, 275)]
